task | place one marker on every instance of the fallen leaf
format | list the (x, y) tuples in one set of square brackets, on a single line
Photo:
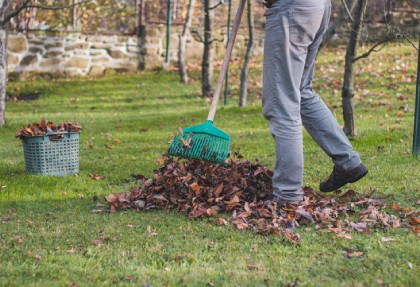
[(149, 230), (352, 254), (292, 284), (97, 211), (252, 266), (219, 189), (414, 220), (395, 207), (196, 188), (19, 239), (95, 176), (344, 235), (360, 226), (37, 258), (222, 221), (98, 242), (242, 189), (387, 239)]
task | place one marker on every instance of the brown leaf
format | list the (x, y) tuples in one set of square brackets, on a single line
[(213, 211), (395, 207), (181, 131), (222, 221), (252, 267), (414, 220), (258, 171), (360, 226), (355, 253), (240, 223), (160, 197), (304, 214), (98, 242), (219, 189), (111, 198), (19, 239), (95, 176), (247, 208), (131, 226), (196, 188), (232, 203), (344, 235), (244, 214), (150, 231)]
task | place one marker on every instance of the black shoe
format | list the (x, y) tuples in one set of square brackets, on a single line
[(339, 178)]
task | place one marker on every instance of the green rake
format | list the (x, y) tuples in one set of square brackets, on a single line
[(205, 141)]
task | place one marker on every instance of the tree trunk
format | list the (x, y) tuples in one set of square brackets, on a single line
[(243, 91), (3, 73), (4, 8), (74, 16), (348, 84), (207, 62), (338, 21), (183, 42)]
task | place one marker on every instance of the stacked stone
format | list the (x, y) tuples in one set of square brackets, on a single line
[(71, 54)]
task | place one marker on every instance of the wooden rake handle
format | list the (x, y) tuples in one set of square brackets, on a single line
[(226, 59)]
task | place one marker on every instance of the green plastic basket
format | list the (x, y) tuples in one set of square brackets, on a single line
[(45, 155)]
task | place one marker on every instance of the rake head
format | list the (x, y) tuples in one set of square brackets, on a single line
[(203, 141)]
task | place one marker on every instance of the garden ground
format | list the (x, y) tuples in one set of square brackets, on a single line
[(49, 235)]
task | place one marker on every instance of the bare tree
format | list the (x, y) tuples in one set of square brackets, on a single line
[(208, 52), (183, 42), (243, 91), (6, 14), (348, 84), (4, 10)]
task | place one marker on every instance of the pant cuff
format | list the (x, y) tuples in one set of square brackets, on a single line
[(289, 195)]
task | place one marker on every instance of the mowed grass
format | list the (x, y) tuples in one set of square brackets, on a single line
[(47, 225)]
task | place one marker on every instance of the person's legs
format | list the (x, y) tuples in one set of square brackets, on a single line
[(318, 119), (324, 129), (291, 26)]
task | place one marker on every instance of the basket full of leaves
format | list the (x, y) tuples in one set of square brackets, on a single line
[(51, 149)]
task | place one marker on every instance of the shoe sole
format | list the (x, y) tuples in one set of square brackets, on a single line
[(350, 180)]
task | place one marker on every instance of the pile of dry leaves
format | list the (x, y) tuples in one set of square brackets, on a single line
[(45, 127), (241, 190)]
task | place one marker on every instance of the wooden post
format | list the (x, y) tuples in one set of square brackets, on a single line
[(416, 136)]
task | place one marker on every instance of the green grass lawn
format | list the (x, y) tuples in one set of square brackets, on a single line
[(47, 224)]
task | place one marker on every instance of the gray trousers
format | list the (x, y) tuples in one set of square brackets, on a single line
[(294, 31)]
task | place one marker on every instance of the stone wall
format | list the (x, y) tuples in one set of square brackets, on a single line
[(75, 54), (70, 54)]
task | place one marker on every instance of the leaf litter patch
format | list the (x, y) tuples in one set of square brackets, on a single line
[(241, 190)]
